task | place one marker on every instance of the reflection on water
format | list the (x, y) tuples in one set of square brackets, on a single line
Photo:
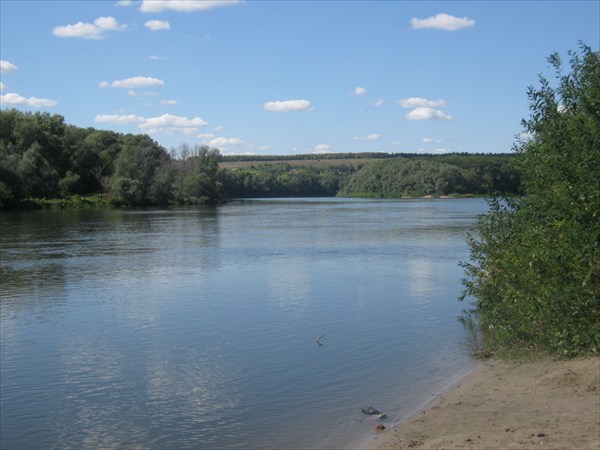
[(196, 327)]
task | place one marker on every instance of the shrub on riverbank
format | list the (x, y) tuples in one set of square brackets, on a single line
[(535, 269)]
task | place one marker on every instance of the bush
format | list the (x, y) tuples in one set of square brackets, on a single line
[(534, 269)]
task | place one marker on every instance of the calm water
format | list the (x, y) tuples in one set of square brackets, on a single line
[(196, 328)]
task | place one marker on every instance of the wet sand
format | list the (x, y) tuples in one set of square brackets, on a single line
[(504, 405)]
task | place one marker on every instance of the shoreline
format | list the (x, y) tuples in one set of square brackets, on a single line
[(498, 404)]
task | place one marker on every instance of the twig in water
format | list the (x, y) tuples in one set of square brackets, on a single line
[(319, 336)]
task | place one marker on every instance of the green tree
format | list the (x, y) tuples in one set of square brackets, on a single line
[(196, 180), (535, 268), (135, 168)]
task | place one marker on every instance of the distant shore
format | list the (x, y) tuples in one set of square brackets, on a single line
[(542, 404)]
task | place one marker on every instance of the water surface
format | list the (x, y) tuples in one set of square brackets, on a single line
[(196, 327)]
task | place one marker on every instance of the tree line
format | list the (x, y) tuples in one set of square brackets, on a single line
[(418, 175), (43, 157)]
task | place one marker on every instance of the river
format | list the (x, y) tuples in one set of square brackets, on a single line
[(197, 327)]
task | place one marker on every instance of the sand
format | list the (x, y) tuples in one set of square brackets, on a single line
[(506, 405)]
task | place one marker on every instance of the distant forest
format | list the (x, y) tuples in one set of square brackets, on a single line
[(42, 157)]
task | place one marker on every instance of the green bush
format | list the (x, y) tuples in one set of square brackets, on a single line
[(534, 269)]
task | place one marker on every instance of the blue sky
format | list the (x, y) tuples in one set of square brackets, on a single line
[(267, 77)]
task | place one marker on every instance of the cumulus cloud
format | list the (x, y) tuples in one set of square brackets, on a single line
[(133, 82), (369, 137), (223, 142), (88, 30), (7, 66), (15, 99), (428, 140), (427, 113), (445, 22), (118, 119), (322, 148), (167, 123), (156, 6), (359, 91), (415, 102), (168, 102), (288, 105), (157, 25)]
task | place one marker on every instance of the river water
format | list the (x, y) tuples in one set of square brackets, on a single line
[(197, 327)]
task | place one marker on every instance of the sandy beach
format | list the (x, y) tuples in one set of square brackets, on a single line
[(543, 405)]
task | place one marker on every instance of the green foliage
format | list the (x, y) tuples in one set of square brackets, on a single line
[(434, 175), (535, 267), (41, 157), (196, 180), (284, 180)]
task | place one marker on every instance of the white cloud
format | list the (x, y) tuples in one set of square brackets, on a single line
[(133, 82), (206, 136), (155, 6), (15, 99), (378, 102), (443, 22), (219, 142), (88, 30), (118, 119), (168, 102), (288, 105), (2, 86), (7, 66), (322, 148), (167, 123), (124, 3), (359, 91), (157, 25), (107, 23), (245, 153), (369, 137), (414, 102), (156, 58), (171, 124), (427, 113)]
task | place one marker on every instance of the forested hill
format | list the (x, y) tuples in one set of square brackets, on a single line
[(43, 157), (370, 175), (419, 175)]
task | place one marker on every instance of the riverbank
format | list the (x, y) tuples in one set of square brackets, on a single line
[(542, 404)]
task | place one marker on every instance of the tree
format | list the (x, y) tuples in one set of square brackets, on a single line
[(535, 269), (196, 181), (135, 168)]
